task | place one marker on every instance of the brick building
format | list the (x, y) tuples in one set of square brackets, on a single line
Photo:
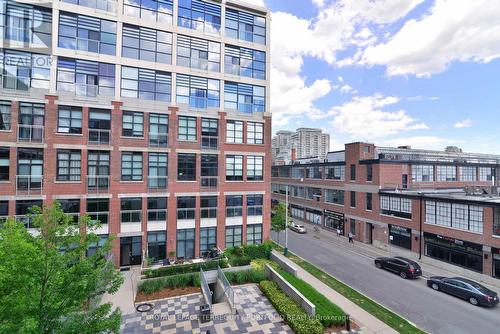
[(441, 204), (152, 117)]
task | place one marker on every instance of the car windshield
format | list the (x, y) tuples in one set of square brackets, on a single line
[(300, 226)]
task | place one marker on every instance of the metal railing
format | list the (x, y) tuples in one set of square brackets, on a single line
[(185, 214), (157, 215), (255, 210), (228, 290), (208, 213), (205, 288), (29, 184), (104, 5), (234, 211), (130, 216), (30, 133), (86, 90), (99, 137), (210, 182), (158, 139), (210, 142), (98, 183), (157, 182), (12, 82)]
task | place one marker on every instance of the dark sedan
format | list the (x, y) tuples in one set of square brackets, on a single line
[(403, 267), (473, 292)]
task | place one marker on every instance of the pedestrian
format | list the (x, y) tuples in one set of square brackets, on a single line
[(338, 232), (350, 238)]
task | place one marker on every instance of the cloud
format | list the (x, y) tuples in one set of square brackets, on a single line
[(319, 3), (453, 30), (466, 123), (365, 117), (422, 142)]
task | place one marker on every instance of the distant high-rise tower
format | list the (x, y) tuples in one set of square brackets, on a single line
[(307, 142)]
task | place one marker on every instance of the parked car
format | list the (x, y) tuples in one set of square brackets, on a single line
[(297, 228), (403, 267), (473, 292)]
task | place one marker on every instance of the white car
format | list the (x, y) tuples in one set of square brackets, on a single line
[(297, 228)]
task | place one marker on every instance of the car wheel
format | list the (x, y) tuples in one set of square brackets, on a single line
[(435, 286), (403, 275), (378, 265), (473, 301)]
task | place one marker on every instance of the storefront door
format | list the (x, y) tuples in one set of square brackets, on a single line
[(401, 236)]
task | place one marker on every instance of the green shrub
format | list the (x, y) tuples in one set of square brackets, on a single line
[(262, 251), (185, 268), (237, 261), (177, 281), (243, 255), (326, 312), (292, 313), (245, 276)]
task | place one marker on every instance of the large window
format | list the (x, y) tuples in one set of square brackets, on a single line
[(234, 132), (395, 206), (158, 130), (468, 173), (369, 199), (132, 124), (255, 168), (485, 174), (353, 173), (86, 33), (334, 196), (157, 170), (103, 5), (98, 170), (255, 133), (233, 236), (353, 199), (496, 221), (335, 172), (98, 210), (85, 78), (71, 207), (150, 10), (209, 133), (199, 15), (31, 122), (208, 239), (4, 164), (209, 170), (5, 115), (157, 209), (157, 246), (369, 173), (315, 172), (245, 62), (208, 207), (185, 243), (187, 128), (234, 206), (254, 234), (254, 205), (26, 24), (446, 173), (234, 168), (4, 211), (458, 216), (245, 26), (131, 210), (244, 98), (146, 84), (422, 173), (24, 70), (186, 207), (29, 169), (186, 167), (69, 119), (131, 166), (69, 165), (198, 53), (198, 92), (147, 44), (99, 126), (24, 211)]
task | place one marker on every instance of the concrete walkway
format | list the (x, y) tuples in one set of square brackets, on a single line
[(124, 298), (368, 323)]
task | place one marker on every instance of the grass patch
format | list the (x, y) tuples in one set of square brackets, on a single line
[(292, 313), (383, 314), (177, 281), (245, 276), (326, 312), (185, 268)]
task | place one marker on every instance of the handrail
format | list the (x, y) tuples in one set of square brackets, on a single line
[(157, 139), (98, 183), (205, 288), (228, 290), (185, 212), (29, 184), (99, 136), (11, 82), (30, 133)]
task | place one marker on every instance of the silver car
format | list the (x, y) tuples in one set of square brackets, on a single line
[(297, 228)]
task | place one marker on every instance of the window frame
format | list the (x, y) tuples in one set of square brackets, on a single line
[(134, 173), (129, 127), (73, 172)]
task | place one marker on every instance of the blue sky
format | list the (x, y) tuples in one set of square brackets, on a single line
[(393, 72)]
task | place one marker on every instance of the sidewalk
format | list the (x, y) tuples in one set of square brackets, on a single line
[(430, 266), (124, 298), (368, 323)]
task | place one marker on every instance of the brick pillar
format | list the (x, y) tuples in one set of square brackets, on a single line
[(266, 209), (221, 201), (245, 221), (49, 154), (172, 179), (197, 218)]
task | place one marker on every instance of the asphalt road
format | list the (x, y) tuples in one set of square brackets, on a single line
[(432, 311)]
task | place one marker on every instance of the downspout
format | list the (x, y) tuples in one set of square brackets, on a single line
[(421, 225)]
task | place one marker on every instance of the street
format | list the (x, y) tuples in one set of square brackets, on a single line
[(434, 312)]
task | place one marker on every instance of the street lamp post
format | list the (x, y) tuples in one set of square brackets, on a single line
[(285, 252)]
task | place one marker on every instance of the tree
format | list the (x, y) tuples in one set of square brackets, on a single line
[(48, 284), (278, 220)]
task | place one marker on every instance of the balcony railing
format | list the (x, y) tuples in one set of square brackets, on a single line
[(158, 139), (209, 182), (254, 210), (109, 6), (84, 90), (30, 133), (99, 136), (11, 82), (234, 211), (29, 184), (130, 216), (210, 142), (157, 215), (208, 213), (185, 214), (157, 182), (98, 184)]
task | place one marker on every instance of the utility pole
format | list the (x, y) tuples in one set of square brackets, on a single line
[(285, 252)]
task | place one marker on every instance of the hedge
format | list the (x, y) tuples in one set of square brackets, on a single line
[(243, 255), (245, 276), (176, 281), (185, 268), (292, 313), (326, 312)]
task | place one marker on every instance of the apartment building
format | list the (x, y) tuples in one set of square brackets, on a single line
[(441, 204), (150, 116), (303, 143)]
